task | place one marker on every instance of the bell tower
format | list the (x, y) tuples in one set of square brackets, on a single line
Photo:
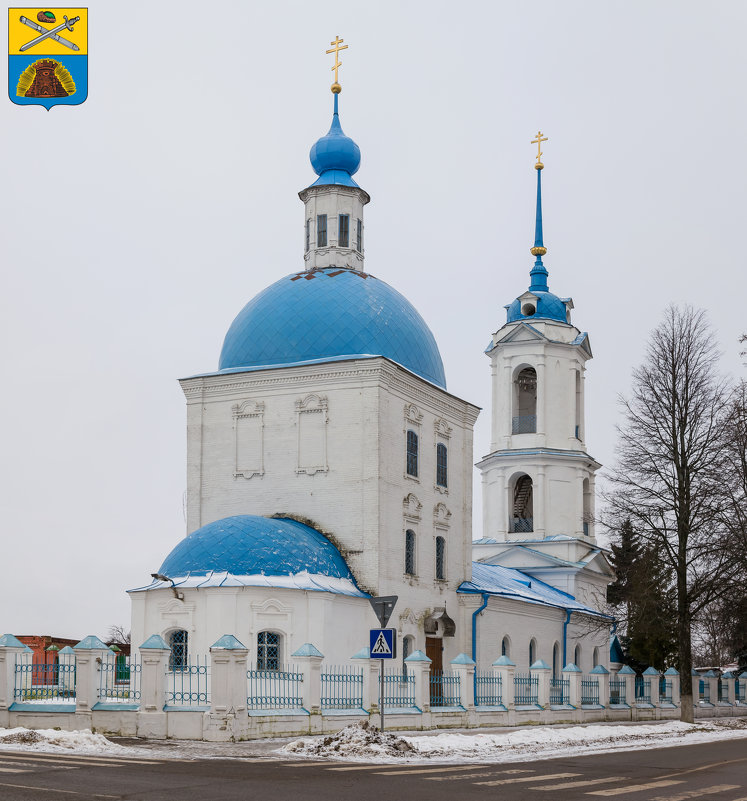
[(538, 479)]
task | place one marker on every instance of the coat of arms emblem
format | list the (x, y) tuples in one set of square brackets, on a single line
[(48, 56)]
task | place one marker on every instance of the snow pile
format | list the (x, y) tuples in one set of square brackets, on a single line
[(52, 740), (362, 742), (357, 740)]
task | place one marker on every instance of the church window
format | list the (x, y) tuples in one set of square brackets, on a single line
[(587, 518), (343, 231), (321, 230), (359, 236), (441, 465), (308, 235), (412, 453), (407, 649), (440, 558), (595, 657), (524, 420), (506, 647), (268, 650), (522, 516), (556, 667), (577, 432), (532, 651), (410, 552), (178, 642), (577, 656)]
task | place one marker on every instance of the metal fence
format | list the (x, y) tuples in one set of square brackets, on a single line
[(342, 687), (522, 524), (617, 691), (41, 682), (705, 691), (665, 690), (642, 690), (399, 689), (488, 688), (119, 680), (560, 691), (524, 424), (723, 690), (589, 691), (740, 689), (275, 689), (445, 689), (526, 689), (189, 685)]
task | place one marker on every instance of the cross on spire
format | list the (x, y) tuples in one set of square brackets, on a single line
[(336, 47), (538, 141)]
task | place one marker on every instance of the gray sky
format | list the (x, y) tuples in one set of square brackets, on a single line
[(136, 226)]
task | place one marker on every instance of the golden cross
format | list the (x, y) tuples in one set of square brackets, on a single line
[(336, 50), (538, 141)]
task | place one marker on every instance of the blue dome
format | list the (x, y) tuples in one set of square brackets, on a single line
[(247, 545), (549, 307), (335, 157), (327, 314)]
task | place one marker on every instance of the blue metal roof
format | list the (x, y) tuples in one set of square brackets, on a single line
[(327, 314), (510, 583), (335, 157), (248, 545), (549, 307)]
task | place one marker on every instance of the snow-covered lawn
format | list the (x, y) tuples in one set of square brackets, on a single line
[(51, 740), (361, 743)]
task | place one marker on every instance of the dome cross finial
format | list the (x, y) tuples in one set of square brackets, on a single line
[(538, 141), (336, 47), (538, 273)]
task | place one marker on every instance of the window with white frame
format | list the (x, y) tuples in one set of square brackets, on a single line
[(268, 650)]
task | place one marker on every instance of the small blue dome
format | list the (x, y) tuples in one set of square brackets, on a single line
[(327, 314), (549, 307), (335, 157), (248, 545)]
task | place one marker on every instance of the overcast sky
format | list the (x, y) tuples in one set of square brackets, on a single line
[(136, 226)]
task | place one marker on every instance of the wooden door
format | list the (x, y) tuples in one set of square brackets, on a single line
[(434, 652)]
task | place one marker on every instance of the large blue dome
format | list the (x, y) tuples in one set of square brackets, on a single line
[(248, 545), (328, 314)]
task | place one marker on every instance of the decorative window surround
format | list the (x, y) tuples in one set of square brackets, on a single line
[(311, 422), (249, 438), (413, 422)]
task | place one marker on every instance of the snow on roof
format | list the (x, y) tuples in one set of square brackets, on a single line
[(509, 583)]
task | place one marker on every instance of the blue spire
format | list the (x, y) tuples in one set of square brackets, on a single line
[(538, 273)]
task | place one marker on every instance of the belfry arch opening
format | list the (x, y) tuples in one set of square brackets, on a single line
[(522, 504), (524, 417), (587, 513)]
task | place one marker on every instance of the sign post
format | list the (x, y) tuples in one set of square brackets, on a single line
[(382, 641)]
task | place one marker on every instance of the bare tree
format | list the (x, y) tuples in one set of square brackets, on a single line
[(118, 635), (670, 459)]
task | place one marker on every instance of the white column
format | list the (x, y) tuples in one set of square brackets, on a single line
[(543, 672), (573, 674), (540, 505), (420, 666), (653, 675), (89, 655), (506, 669), (603, 677), (578, 523), (228, 718), (508, 399), (627, 673), (672, 675), (309, 659), (464, 667)]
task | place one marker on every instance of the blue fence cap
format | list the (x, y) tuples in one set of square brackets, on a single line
[(649, 671), (671, 672), (709, 675), (571, 668), (463, 659), (743, 674), (540, 664), (307, 649), (729, 674), (155, 643), (91, 643), (695, 673), (600, 670), (417, 656), (626, 670), (67, 650), (364, 653), (10, 641), (504, 661), (228, 643)]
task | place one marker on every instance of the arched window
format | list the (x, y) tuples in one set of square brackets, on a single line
[(440, 558), (268, 650), (178, 642), (532, 651), (577, 656), (522, 517), (407, 649), (412, 453), (587, 507), (441, 465), (524, 420), (506, 647), (595, 657), (410, 552), (556, 666), (578, 433)]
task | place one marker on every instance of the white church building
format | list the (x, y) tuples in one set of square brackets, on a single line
[(328, 461)]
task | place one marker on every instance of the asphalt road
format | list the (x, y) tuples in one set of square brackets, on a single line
[(712, 772)]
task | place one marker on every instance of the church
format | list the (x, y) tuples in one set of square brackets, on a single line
[(328, 461)]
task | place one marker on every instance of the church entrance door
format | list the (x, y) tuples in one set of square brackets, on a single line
[(434, 652)]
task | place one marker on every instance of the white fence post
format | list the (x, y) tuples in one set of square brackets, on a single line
[(628, 674), (464, 667), (573, 674), (154, 653), (670, 674), (420, 666), (603, 677), (228, 717), (10, 649), (370, 677), (505, 668), (653, 676), (90, 654), (544, 672), (310, 659)]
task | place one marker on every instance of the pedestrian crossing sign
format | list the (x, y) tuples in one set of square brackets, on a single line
[(383, 643)]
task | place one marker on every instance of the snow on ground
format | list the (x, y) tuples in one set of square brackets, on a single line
[(51, 740), (355, 743)]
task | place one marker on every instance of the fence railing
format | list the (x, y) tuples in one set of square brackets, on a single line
[(399, 689), (522, 524), (642, 690), (722, 690), (342, 687), (445, 689), (705, 691), (740, 691), (44, 683), (488, 688), (274, 689), (665, 690), (617, 691), (524, 424), (189, 685), (526, 689), (560, 691), (119, 680), (589, 691)]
